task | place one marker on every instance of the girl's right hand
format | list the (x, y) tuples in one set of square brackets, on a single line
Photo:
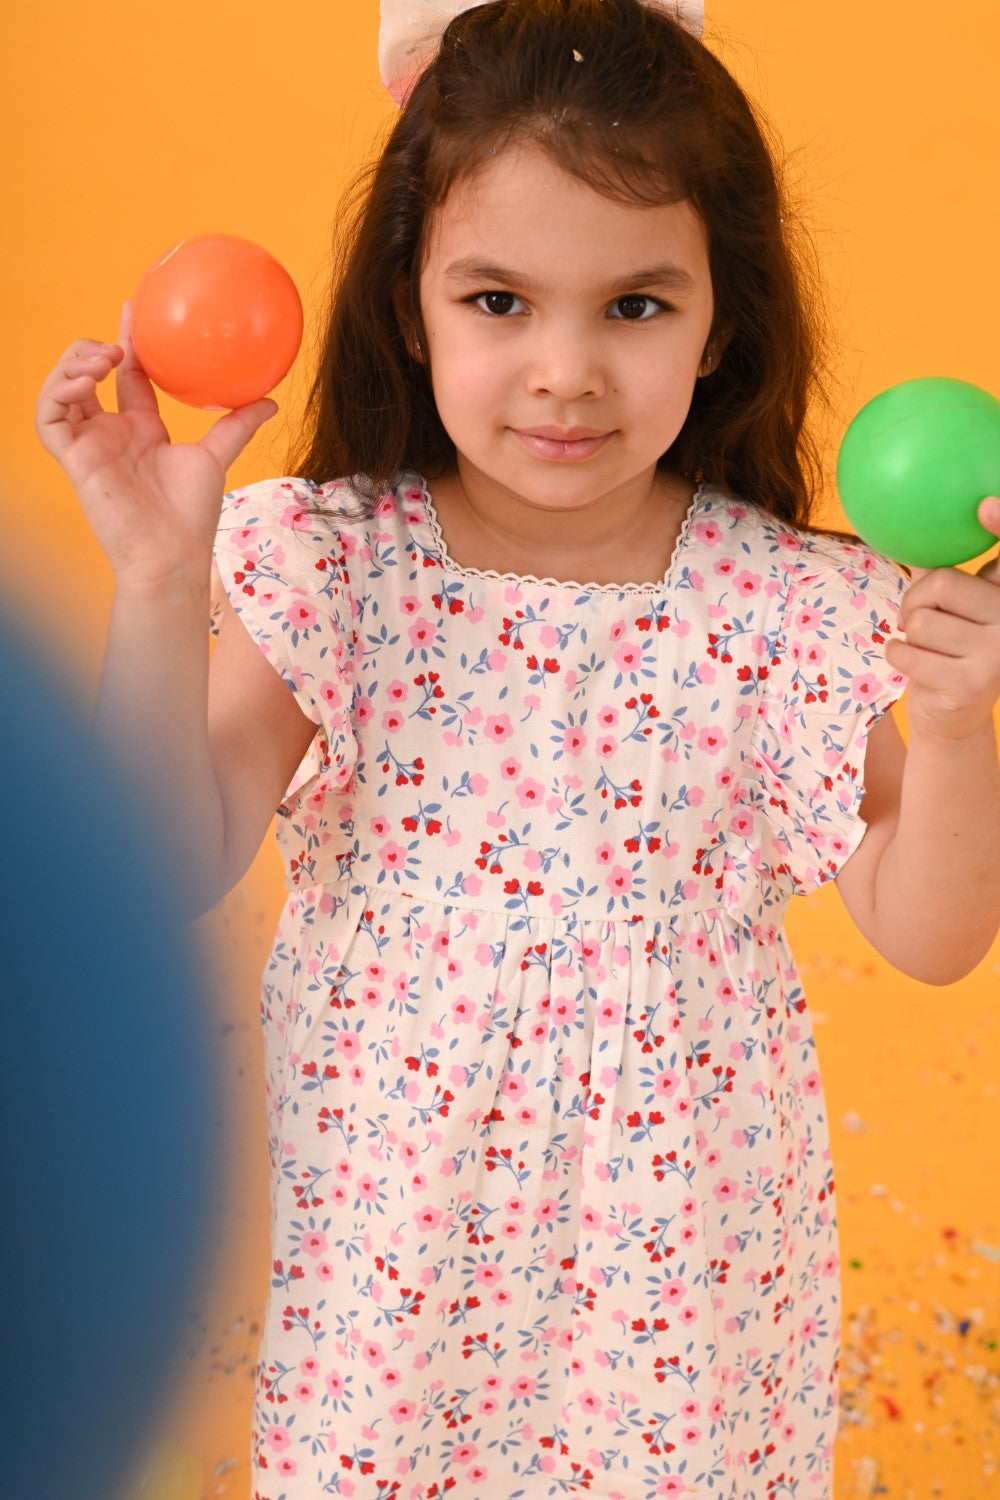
[(153, 505)]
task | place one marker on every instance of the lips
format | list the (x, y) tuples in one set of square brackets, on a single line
[(562, 443)]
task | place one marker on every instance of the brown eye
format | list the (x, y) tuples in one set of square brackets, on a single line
[(636, 308), (496, 303)]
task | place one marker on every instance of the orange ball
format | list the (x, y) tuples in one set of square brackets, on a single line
[(217, 322)]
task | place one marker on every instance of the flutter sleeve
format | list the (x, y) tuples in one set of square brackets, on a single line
[(829, 684), (279, 564)]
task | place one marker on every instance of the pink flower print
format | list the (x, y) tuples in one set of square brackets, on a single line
[(709, 533), (726, 1189), (278, 1439), (724, 567), (397, 691), (330, 693), (607, 716), (488, 1274), (324, 1271), (304, 1391), (373, 1353), (628, 657), (515, 1205), (309, 1366), (743, 825), (811, 1084), (348, 1044), (403, 1411), (609, 1013), (573, 741), (300, 615), (619, 882), (497, 660), (690, 1410), (464, 1453), (390, 1377), (392, 855), (335, 1384), (808, 619), (526, 1115), (865, 688), (422, 634), (747, 583), (530, 792), (313, 1243), (379, 825), (712, 739), (563, 1009), (364, 710), (479, 785), (408, 604), (590, 1402), (604, 853), (489, 1405), (463, 1009), (546, 1211), (688, 1315), (367, 1188), (287, 1467), (513, 1086), (499, 728), (690, 1435), (666, 1084), (427, 1217), (605, 745), (510, 769), (393, 721)]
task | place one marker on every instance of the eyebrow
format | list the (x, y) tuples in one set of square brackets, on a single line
[(666, 275)]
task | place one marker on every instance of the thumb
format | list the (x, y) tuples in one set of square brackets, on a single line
[(231, 433)]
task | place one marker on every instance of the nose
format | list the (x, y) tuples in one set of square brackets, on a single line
[(565, 363)]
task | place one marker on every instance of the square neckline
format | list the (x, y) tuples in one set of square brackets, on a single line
[(450, 566)]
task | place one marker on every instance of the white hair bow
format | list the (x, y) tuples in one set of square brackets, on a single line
[(410, 30)]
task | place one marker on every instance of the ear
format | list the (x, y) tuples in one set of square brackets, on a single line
[(404, 317), (714, 349)]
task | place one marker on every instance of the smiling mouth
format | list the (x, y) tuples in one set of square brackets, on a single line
[(573, 443)]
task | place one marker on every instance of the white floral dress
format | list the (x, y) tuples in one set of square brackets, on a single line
[(552, 1198)]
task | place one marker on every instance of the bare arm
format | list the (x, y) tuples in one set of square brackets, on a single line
[(210, 752), (212, 748), (924, 884)]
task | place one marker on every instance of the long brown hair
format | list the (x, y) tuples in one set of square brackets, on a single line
[(624, 98)]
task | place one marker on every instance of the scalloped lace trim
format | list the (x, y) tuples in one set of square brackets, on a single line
[(450, 566)]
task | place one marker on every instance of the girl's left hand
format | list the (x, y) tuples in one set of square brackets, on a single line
[(951, 651)]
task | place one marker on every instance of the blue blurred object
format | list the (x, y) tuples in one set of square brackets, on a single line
[(106, 1092)]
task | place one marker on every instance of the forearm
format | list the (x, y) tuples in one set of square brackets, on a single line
[(153, 708), (937, 891)]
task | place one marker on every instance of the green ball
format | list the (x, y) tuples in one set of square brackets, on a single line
[(913, 467)]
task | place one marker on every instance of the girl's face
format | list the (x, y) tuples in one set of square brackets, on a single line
[(564, 331)]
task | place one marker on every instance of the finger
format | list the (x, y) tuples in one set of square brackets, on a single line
[(948, 634), (951, 591), (988, 515), (928, 669), (231, 433), (133, 387)]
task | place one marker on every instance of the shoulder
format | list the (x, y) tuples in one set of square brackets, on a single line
[(797, 561)]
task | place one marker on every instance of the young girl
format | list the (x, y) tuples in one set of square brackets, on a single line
[(577, 702)]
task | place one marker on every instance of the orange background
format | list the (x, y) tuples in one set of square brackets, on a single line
[(129, 127)]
